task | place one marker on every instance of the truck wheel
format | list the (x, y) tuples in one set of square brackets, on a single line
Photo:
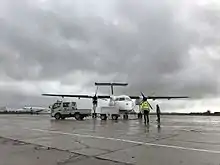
[(77, 116), (114, 117), (57, 116), (103, 117)]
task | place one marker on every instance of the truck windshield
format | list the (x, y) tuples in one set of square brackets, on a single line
[(74, 105), (56, 105)]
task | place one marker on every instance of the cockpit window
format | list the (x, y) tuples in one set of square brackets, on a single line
[(128, 99), (120, 99), (123, 99)]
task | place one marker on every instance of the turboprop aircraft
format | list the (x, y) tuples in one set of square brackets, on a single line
[(36, 109), (124, 102)]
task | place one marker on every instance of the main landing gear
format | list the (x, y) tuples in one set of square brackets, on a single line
[(94, 115), (113, 116), (125, 116)]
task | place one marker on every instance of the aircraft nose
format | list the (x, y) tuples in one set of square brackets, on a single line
[(130, 103)]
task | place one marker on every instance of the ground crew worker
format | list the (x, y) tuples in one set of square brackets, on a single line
[(158, 113), (145, 107)]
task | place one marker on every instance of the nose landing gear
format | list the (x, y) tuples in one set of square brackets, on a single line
[(125, 116)]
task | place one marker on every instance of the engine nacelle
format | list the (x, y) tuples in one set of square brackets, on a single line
[(138, 101)]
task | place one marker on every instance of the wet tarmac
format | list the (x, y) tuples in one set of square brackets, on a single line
[(181, 140)]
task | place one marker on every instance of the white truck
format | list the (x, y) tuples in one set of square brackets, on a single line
[(109, 111), (62, 110)]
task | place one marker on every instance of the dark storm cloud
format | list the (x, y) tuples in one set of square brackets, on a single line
[(18, 100), (145, 43), (33, 49)]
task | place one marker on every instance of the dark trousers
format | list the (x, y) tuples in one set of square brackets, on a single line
[(146, 113)]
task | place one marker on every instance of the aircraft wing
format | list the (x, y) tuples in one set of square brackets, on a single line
[(66, 95), (103, 97), (159, 97), (78, 96), (135, 97), (167, 97)]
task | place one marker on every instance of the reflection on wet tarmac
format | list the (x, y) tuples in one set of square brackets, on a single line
[(158, 127), (191, 140)]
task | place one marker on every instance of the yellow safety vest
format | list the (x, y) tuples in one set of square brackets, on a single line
[(145, 106)]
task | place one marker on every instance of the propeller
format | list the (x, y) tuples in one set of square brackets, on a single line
[(95, 98), (144, 97), (138, 101), (95, 102)]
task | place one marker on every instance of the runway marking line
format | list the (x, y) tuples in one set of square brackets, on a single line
[(129, 141)]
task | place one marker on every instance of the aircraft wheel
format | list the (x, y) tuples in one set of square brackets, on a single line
[(57, 116), (103, 117), (94, 115), (125, 116), (114, 117)]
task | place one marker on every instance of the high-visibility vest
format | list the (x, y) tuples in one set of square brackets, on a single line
[(145, 105)]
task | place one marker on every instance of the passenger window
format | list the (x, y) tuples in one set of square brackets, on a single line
[(66, 104)]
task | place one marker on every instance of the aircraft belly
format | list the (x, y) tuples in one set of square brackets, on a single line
[(123, 107)]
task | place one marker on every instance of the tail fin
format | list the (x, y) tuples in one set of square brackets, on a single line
[(111, 85)]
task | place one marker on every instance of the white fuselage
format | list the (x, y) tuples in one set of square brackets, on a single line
[(36, 109), (123, 102)]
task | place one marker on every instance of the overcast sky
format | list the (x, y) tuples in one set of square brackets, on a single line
[(164, 47)]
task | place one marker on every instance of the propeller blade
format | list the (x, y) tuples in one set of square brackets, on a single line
[(142, 94), (96, 91)]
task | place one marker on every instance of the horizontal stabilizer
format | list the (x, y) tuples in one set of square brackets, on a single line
[(111, 84)]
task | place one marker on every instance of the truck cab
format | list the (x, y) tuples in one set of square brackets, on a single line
[(62, 110)]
